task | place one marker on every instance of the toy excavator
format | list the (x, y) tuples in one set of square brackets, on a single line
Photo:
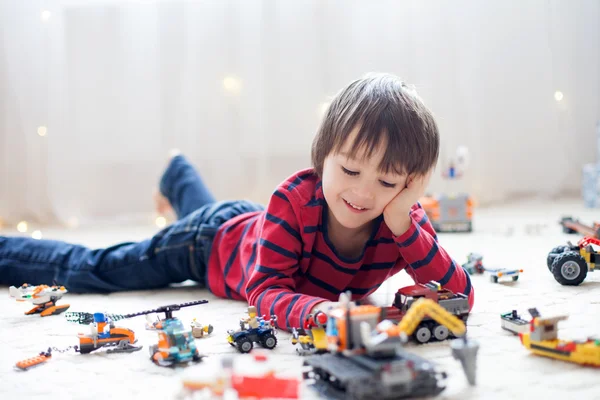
[(176, 344), (367, 359), (543, 340), (44, 298)]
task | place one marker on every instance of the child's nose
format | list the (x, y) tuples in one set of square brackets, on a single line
[(364, 192)]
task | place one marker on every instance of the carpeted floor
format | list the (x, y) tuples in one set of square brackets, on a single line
[(516, 235)]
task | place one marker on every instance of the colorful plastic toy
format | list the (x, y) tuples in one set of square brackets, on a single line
[(44, 298), (176, 344), (449, 213), (428, 329), (542, 339), (570, 264), (499, 275), (513, 323), (571, 225), (199, 330), (367, 361), (103, 333), (474, 264), (311, 336), (249, 375), (253, 329)]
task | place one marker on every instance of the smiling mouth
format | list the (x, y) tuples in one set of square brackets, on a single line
[(354, 206)]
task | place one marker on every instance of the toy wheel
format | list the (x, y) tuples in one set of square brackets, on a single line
[(493, 278), (268, 341), (244, 345), (553, 253), (423, 334), (515, 278), (569, 268), (440, 332)]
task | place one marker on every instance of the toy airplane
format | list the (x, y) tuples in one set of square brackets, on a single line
[(44, 298)]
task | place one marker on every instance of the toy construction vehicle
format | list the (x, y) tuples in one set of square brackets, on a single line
[(311, 336), (253, 329), (570, 264), (428, 329), (44, 298), (474, 264), (543, 340), (249, 375), (449, 213), (367, 361), (571, 225), (176, 344)]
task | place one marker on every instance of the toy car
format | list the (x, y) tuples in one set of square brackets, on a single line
[(499, 274), (474, 264), (570, 263), (252, 330)]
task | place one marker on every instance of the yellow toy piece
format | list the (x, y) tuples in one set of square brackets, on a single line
[(543, 340), (424, 307)]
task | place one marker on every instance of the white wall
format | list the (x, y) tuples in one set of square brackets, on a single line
[(119, 83)]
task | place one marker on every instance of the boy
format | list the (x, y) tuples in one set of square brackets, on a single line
[(348, 223)]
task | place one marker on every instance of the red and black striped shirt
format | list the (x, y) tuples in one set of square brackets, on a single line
[(282, 261)]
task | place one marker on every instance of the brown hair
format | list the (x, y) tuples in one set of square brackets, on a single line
[(387, 111)]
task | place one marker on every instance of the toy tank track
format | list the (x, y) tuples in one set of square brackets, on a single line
[(360, 377)]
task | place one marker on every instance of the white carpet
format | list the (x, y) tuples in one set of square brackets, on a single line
[(517, 235)]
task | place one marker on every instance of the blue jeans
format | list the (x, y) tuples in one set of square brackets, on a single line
[(175, 254)]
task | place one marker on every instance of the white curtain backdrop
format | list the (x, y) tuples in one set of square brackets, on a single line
[(240, 86)]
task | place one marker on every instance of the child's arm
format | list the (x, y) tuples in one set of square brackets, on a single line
[(271, 286), (427, 260)]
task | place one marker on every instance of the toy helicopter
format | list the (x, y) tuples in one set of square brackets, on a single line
[(44, 298), (176, 344)]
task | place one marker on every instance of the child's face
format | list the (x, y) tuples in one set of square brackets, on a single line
[(355, 190)]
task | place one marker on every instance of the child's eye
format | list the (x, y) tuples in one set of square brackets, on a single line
[(388, 185), (351, 173)]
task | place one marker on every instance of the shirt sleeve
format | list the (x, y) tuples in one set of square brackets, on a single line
[(426, 260), (271, 287)]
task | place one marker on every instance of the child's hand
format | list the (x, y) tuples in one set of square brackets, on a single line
[(396, 213)]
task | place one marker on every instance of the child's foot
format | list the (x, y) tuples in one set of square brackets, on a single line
[(161, 203)]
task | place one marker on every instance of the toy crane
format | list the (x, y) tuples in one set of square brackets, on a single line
[(44, 298)]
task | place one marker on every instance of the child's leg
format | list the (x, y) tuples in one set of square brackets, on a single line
[(173, 255), (183, 187)]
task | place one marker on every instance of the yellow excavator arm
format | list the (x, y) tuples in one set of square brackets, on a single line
[(427, 307)]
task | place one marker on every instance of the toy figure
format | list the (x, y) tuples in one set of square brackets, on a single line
[(199, 330)]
